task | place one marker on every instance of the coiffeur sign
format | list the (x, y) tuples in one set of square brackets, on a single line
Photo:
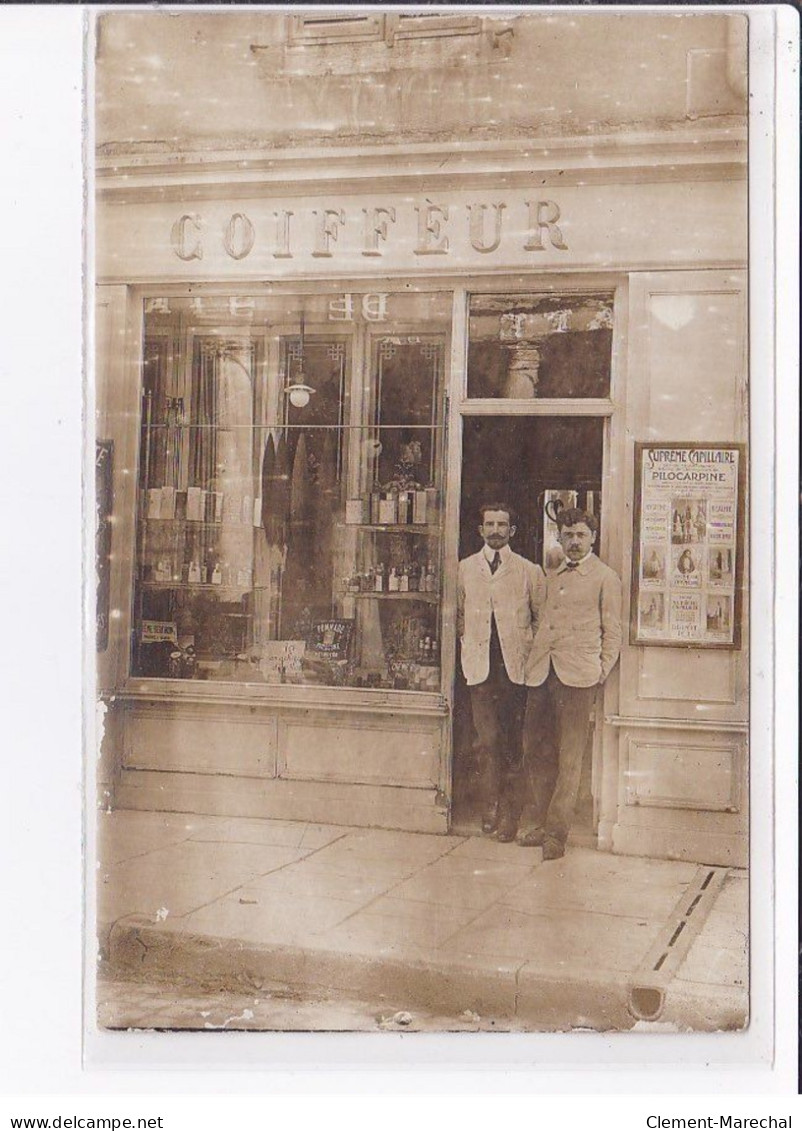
[(237, 236), (319, 230)]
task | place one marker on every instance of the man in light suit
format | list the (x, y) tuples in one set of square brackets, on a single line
[(499, 594), (576, 647)]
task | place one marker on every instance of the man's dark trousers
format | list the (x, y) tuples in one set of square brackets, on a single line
[(554, 765), (498, 706)]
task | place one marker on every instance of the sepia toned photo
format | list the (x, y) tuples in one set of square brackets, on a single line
[(421, 567)]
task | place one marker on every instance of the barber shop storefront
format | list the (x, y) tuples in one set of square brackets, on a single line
[(304, 390)]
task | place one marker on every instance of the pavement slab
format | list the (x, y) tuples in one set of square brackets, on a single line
[(389, 926), (734, 895), (310, 881), (558, 943), (461, 925), (485, 848), (122, 836), (445, 918), (272, 918), (290, 834), (715, 965), (547, 889), (184, 877), (386, 842), (439, 890)]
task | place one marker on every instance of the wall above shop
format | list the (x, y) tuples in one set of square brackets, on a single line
[(188, 82)]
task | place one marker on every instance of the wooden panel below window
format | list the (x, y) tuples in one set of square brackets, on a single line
[(200, 742), (330, 803), (670, 773), (685, 674), (329, 750)]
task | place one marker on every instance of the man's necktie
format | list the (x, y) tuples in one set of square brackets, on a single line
[(572, 565), (496, 562)]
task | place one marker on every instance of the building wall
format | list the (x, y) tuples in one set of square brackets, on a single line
[(633, 124), (683, 713), (169, 81)]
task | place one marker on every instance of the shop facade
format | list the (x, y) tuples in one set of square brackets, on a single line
[(313, 364)]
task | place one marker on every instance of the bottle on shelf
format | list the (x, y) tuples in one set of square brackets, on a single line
[(194, 575), (403, 581), (217, 574), (388, 508), (404, 508), (375, 500), (378, 579), (393, 581)]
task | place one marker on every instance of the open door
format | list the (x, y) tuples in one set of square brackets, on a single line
[(537, 465)]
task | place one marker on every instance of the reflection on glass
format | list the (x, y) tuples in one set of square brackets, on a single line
[(286, 539), (525, 346)]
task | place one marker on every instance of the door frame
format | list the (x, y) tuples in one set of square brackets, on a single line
[(459, 406)]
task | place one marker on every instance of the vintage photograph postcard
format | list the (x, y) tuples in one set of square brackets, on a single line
[(422, 421)]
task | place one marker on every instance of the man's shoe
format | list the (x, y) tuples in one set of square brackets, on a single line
[(507, 828), (553, 849), (531, 838), (490, 820)]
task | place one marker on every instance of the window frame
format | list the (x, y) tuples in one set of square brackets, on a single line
[(166, 688)]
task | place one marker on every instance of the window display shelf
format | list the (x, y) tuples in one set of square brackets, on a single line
[(429, 598), (198, 587), (195, 523), (395, 528)]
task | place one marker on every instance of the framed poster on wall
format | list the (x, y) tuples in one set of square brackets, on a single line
[(688, 545)]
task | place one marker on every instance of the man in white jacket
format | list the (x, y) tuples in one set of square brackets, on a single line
[(499, 594)]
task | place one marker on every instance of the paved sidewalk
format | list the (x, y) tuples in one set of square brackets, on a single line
[(451, 925)]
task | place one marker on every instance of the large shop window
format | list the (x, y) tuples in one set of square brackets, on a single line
[(291, 477), (527, 346)]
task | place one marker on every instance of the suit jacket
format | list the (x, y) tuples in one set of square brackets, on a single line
[(514, 593), (580, 626)]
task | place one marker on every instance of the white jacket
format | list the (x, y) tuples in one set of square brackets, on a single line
[(579, 632), (514, 593)]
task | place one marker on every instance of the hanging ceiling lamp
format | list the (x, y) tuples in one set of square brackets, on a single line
[(298, 391)]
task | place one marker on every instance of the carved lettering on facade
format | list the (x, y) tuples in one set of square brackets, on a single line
[(476, 212), (239, 236), (543, 217), (434, 230), (186, 246), (376, 221), (431, 240), (282, 250), (329, 221)]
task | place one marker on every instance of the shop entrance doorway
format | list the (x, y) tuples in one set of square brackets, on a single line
[(537, 465)]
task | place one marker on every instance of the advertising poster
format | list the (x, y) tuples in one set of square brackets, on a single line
[(688, 544)]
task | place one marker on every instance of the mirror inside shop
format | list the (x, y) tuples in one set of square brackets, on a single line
[(290, 511)]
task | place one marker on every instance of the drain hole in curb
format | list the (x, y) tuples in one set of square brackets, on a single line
[(677, 933), (646, 1002)]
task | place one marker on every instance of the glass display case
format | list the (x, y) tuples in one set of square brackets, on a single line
[(289, 525)]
